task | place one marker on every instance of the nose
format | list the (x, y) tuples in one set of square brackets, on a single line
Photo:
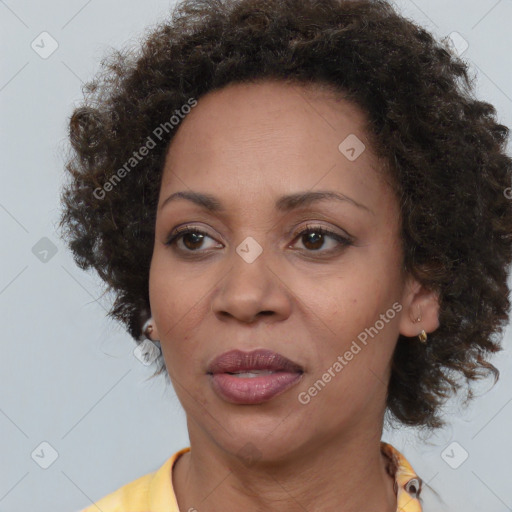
[(250, 289)]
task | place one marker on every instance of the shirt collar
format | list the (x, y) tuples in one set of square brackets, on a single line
[(407, 483)]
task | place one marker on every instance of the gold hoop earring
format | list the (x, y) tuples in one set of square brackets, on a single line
[(422, 336)]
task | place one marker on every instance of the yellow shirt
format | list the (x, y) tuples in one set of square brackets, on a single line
[(154, 492)]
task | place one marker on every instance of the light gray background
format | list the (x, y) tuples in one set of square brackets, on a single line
[(69, 376)]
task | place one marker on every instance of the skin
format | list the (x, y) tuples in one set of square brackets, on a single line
[(248, 145)]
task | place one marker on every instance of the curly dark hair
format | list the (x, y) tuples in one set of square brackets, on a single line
[(445, 150)]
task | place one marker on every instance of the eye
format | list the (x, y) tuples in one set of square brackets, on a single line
[(191, 238), (314, 238)]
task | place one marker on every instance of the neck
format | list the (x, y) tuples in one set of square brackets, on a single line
[(339, 474)]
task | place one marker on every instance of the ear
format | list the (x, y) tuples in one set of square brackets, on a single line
[(418, 303)]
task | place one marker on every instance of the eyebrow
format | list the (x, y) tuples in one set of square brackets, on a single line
[(283, 204)]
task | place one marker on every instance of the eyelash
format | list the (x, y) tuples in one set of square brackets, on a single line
[(343, 241)]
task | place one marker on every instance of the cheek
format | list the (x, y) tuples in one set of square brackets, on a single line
[(360, 308), (176, 307), (352, 368), (175, 290), (353, 298)]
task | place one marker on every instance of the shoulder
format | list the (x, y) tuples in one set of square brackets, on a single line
[(146, 492), (133, 495), (412, 492)]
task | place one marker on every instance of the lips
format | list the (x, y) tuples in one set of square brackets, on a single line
[(252, 377), (236, 361)]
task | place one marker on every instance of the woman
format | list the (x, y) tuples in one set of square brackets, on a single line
[(303, 205)]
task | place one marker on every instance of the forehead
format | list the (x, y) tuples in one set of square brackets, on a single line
[(264, 139)]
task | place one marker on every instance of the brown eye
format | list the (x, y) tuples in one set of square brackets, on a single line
[(314, 238), (191, 238)]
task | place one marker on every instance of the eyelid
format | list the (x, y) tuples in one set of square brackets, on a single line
[(183, 229), (312, 225), (343, 239)]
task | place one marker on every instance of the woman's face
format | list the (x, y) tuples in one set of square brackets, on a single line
[(252, 283)]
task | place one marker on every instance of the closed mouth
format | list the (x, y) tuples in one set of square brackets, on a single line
[(252, 364)]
